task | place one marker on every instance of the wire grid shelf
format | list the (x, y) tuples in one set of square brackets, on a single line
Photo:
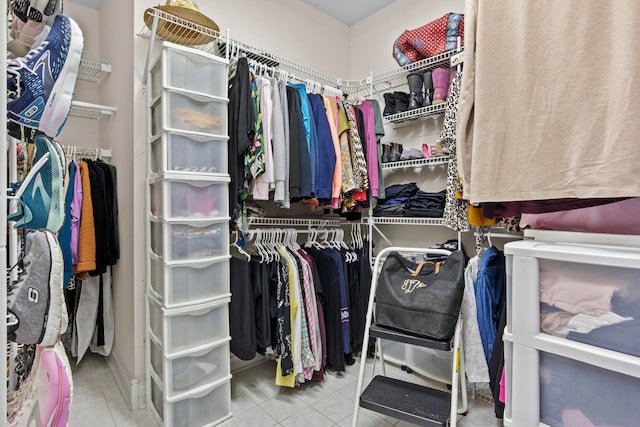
[(294, 222), (90, 111), (96, 153), (403, 164), (404, 221), (93, 71), (177, 30), (398, 77), (431, 110)]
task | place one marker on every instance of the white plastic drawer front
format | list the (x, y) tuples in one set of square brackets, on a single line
[(182, 283), (189, 198), (183, 374), (190, 112), (196, 71), (574, 393), (188, 328), (190, 153), (593, 298), (208, 407), (191, 240)]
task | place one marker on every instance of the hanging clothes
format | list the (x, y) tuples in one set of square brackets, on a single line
[(489, 292)]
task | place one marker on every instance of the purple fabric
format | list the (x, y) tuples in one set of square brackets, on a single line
[(372, 146), (507, 209), (613, 218), (76, 212)]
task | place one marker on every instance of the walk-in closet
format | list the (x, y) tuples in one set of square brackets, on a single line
[(364, 213)]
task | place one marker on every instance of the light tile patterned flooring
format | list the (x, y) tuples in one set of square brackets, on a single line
[(255, 401)]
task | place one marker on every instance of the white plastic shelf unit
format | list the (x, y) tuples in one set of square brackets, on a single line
[(554, 371), (188, 358)]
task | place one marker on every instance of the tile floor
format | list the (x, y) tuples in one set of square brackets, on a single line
[(255, 401)]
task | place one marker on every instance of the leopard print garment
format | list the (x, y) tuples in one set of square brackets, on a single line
[(455, 210)]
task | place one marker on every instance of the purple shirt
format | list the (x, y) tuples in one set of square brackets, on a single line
[(76, 212)]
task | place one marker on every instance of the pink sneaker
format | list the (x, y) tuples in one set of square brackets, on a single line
[(426, 151), (47, 400)]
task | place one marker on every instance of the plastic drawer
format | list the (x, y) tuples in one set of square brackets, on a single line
[(189, 111), (190, 69), (173, 198), (189, 240), (190, 153), (579, 293), (601, 396), (204, 407), (188, 328), (187, 372), (188, 282)]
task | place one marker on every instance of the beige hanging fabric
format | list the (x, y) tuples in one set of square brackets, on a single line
[(550, 100)]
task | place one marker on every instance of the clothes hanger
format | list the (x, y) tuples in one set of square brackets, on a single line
[(242, 251)]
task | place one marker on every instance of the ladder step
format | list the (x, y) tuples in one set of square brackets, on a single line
[(378, 331), (407, 401)]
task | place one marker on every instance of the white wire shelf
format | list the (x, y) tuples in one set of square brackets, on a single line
[(294, 222), (431, 110), (87, 110), (404, 221), (398, 77), (404, 164), (96, 153), (93, 71)]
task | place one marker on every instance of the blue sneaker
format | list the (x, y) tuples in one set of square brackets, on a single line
[(41, 194), (40, 86)]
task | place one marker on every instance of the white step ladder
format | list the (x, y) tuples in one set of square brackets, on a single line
[(404, 400)]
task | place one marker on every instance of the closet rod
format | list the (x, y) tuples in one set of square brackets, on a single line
[(97, 153), (294, 222)]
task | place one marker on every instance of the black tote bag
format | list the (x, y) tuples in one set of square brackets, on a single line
[(424, 304)]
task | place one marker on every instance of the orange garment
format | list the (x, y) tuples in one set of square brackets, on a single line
[(476, 219), (87, 236)]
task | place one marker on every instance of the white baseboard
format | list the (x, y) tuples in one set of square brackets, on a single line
[(133, 390)]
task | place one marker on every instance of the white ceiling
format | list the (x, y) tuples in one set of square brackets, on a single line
[(349, 11)]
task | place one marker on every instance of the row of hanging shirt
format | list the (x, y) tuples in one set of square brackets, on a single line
[(289, 143), (305, 306)]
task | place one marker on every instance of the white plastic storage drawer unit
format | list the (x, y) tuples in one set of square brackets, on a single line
[(547, 389), (188, 371), (189, 153), (190, 111), (189, 240), (188, 328), (176, 197), (181, 283), (206, 406), (573, 292), (189, 69)]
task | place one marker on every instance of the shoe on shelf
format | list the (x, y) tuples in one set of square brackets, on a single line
[(35, 297), (36, 10), (386, 153), (441, 81), (46, 401), (415, 90), (40, 86), (411, 154), (41, 194), (389, 104), (402, 102), (426, 151), (25, 36), (428, 88), (396, 152)]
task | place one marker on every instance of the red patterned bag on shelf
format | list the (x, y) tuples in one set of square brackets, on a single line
[(431, 39)]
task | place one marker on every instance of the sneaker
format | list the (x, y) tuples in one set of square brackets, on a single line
[(35, 297), (40, 86), (411, 154), (26, 36), (37, 10), (41, 194), (47, 400)]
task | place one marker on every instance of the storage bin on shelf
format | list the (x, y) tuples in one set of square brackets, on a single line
[(574, 293), (204, 406), (189, 153), (189, 240), (189, 328), (175, 196), (547, 389), (189, 69), (180, 283), (183, 373), (191, 111)]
